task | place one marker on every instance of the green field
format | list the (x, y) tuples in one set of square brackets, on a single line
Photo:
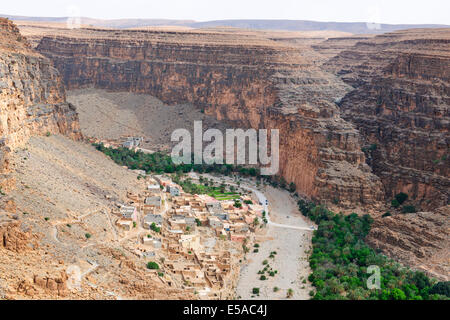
[(224, 196)]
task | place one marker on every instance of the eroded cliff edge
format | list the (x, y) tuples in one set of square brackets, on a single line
[(253, 81), (32, 95), (400, 106)]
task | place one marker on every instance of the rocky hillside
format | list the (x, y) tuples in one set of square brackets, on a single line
[(243, 77), (32, 95), (400, 106), (419, 240)]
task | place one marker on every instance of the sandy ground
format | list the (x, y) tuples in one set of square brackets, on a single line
[(291, 259), (112, 115)]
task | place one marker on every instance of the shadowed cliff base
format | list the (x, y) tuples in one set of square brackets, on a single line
[(115, 115)]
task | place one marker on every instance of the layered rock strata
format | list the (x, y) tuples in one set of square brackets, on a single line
[(400, 106), (252, 81), (32, 95)]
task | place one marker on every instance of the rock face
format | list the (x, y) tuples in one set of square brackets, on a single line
[(400, 106), (420, 240), (252, 81), (32, 96), (12, 238)]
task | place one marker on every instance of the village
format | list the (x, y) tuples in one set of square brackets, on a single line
[(190, 241), (203, 232)]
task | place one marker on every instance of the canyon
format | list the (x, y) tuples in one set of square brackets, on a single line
[(361, 119), (245, 78), (330, 106)]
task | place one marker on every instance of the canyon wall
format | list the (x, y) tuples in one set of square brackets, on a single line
[(400, 106), (252, 81), (32, 95)]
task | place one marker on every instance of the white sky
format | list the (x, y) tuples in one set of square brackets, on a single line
[(380, 11)]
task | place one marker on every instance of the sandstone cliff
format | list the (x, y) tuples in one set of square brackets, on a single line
[(32, 96), (400, 106), (252, 81)]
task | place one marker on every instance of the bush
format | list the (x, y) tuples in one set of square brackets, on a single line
[(292, 187), (442, 288), (409, 209), (263, 277), (152, 265), (87, 235), (387, 214), (275, 289), (401, 197), (256, 245), (155, 228), (265, 262), (290, 293), (255, 291), (395, 203)]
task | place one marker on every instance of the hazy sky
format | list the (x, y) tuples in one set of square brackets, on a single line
[(381, 11)]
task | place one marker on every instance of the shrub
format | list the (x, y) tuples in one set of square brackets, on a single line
[(265, 262), (275, 289), (255, 250), (401, 197), (272, 274), (155, 228), (256, 245), (248, 202), (87, 235), (395, 203), (263, 277), (290, 293), (387, 214), (442, 288), (255, 291), (409, 209), (46, 218), (48, 134), (152, 265), (292, 187)]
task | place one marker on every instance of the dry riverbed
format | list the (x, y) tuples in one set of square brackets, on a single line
[(290, 260)]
